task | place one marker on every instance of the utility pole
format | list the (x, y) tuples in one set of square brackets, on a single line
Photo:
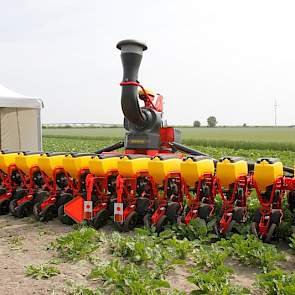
[(275, 109)]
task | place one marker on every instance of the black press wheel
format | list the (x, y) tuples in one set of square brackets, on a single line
[(275, 217), (228, 232), (254, 229), (4, 206), (100, 218), (24, 209), (130, 221), (172, 211), (204, 211), (147, 220), (142, 206), (270, 233), (238, 214), (257, 216), (37, 210), (63, 199), (163, 221), (63, 217), (46, 214), (12, 206)]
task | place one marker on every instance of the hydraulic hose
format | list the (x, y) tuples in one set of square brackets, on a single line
[(131, 55)]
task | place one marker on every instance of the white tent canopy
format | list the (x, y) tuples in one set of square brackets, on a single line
[(20, 123)]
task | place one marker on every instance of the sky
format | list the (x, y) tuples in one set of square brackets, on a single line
[(229, 59)]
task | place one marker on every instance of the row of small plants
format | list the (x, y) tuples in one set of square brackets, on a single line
[(140, 263)]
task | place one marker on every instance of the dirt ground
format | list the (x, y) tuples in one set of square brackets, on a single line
[(24, 242)]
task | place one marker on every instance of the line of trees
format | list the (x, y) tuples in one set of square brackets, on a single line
[(211, 122)]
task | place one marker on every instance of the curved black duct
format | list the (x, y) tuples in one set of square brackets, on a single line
[(131, 55)]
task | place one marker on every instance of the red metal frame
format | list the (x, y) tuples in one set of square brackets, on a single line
[(267, 206), (9, 184), (162, 198), (127, 193), (195, 202), (99, 186), (228, 202)]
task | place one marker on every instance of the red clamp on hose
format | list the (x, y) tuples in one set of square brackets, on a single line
[(132, 83)]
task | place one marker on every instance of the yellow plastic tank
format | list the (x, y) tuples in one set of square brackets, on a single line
[(6, 160), (101, 165), (48, 164), (73, 165), (193, 167), (266, 170), (130, 165), (228, 170), (160, 166), (25, 162)]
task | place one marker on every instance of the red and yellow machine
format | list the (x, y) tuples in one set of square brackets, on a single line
[(152, 180)]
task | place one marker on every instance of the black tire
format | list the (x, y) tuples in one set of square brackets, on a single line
[(4, 206), (230, 227), (24, 209), (253, 229), (147, 220), (238, 214), (257, 216), (275, 217), (131, 221), (12, 207), (46, 214), (163, 221), (204, 212), (270, 233), (172, 211), (37, 210), (100, 218), (142, 206), (63, 217), (63, 199)]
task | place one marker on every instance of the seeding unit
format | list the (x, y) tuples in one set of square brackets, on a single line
[(153, 180)]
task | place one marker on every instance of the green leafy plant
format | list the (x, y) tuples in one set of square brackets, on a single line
[(215, 281), (277, 282), (210, 275), (251, 251), (209, 257), (158, 253), (292, 240), (78, 244), (41, 271), (196, 229), (128, 279)]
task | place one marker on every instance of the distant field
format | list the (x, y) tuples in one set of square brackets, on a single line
[(281, 138), (281, 134)]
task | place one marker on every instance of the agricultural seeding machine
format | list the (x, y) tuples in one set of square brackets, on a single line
[(149, 179)]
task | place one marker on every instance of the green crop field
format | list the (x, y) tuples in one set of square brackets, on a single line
[(253, 134), (281, 138)]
